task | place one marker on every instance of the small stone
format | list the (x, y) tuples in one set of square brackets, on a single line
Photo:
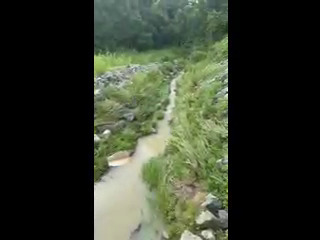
[(221, 163), (187, 235), (97, 91), (106, 133), (96, 138), (165, 235), (129, 116), (208, 234), (209, 198)]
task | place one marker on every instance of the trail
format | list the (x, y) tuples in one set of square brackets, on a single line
[(120, 198)]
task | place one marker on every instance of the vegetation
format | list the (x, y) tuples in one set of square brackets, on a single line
[(154, 24), (194, 32), (139, 98), (199, 139), (106, 61)]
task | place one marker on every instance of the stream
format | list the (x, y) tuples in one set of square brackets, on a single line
[(121, 207)]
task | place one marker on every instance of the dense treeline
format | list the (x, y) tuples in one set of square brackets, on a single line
[(146, 24)]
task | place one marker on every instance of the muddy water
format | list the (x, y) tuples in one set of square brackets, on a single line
[(120, 198)]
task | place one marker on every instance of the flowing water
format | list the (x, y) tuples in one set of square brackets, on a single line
[(121, 208)]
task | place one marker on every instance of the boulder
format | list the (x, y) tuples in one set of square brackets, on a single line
[(213, 221), (208, 234), (212, 203), (187, 235)]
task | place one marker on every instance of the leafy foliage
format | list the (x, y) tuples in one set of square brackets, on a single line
[(149, 24)]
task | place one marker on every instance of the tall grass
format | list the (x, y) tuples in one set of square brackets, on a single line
[(199, 139)]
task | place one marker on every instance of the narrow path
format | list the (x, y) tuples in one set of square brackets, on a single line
[(120, 203)]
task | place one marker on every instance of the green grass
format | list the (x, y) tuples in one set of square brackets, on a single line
[(141, 97), (199, 139), (104, 62)]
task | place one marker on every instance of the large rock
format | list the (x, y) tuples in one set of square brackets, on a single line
[(223, 219), (119, 155), (208, 220), (187, 235), (208, 234), (212, 203)]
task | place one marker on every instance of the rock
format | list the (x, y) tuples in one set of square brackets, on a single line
[(97, 91), (103, 127), (119, 125), (221, 162), (222, 166), (129, 116), (187, 235), (223, 217), (119, 155), (106, 133), (223, 92), (165, 235), (96, 138), (204, 218), (212, 203), (208, 220), (224, 76), (208, 234)]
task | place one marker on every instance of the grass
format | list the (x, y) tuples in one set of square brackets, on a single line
[(199, 139), (104, 62), (142, 98)]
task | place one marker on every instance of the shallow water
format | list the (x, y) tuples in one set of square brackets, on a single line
[(120, 198)]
